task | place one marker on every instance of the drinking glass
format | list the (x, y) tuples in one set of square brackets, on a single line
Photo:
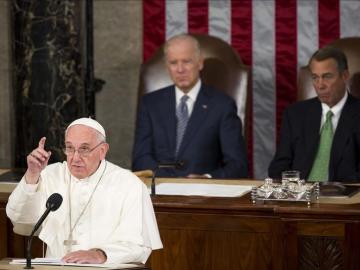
[(290, 177)]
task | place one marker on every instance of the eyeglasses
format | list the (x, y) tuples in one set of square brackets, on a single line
[(82, 151)]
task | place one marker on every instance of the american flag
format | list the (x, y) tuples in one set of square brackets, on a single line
[(274, 37)]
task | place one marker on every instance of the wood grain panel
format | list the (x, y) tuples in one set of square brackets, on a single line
[(214, 221), (194, 249), (352, 246), (3, 233), (321, 228), (320, 253)]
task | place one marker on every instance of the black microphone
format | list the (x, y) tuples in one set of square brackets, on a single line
[(161, 165), (52, 204)]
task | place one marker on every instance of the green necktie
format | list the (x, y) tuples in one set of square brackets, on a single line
[(320, 169)]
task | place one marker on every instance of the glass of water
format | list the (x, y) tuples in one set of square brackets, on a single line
[(288, 177)]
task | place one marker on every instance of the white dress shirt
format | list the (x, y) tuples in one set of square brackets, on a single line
[(336, 110), (192, 94)]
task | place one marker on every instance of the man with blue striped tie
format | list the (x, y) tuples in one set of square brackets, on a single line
[(189, 122)]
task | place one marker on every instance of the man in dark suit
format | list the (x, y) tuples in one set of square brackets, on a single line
[(303, 140), (189, 122)]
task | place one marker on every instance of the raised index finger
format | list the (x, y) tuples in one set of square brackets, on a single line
[(42, 142)]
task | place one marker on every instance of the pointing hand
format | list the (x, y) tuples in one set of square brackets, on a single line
[(37, 160)]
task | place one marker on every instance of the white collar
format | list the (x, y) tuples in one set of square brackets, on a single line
[(336, 110), (192, 94), (92, 177)]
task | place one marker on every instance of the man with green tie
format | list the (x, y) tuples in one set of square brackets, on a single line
[(320, 137)]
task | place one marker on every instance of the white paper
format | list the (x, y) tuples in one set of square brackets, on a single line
[(56, 261), (195, 189)]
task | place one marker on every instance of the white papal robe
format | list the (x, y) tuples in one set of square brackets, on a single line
[(119, 218)]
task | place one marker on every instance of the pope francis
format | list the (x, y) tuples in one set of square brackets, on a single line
[(106, 214)]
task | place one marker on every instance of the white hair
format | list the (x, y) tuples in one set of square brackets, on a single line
[(182, 37)]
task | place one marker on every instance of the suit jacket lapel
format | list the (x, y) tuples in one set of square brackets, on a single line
[(197, 117), (312, 136), (169, 117), (342, 133)]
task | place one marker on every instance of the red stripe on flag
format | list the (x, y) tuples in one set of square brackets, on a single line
[(241, 29), (198, 16), (241, 40), (285, 56), (153, 26), (329, 21)]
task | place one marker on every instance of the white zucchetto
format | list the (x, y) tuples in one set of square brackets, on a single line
[(89, 123)]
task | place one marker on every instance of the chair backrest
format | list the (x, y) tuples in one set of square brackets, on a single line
[(351, 48), (223, 69)]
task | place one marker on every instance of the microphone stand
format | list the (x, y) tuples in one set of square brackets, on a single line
[(174, 165), (31, 237), (52, 204), (153, 192), (28, 253)]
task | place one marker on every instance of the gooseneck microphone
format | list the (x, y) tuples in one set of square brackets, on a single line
[(175, 165), (52, 204)]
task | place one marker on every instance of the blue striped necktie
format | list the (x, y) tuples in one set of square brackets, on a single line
[(182, 115), (320, 169)]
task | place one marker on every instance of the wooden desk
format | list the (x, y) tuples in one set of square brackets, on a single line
[(232, 233)]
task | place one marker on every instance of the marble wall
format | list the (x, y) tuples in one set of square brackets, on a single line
[(7, 113), (49, 72), (118, 56), (117, 59)]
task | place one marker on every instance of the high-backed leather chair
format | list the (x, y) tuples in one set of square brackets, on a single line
[(223, 69), (351, 48)]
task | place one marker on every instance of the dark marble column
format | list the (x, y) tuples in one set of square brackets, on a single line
[(50, 54)]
